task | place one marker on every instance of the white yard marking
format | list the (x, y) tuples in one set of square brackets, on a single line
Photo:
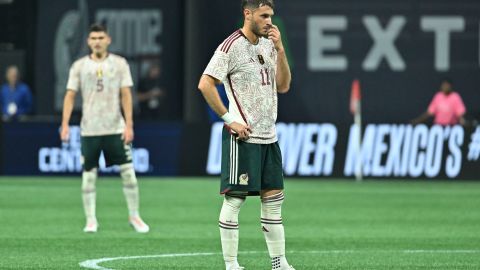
[(93, 264)]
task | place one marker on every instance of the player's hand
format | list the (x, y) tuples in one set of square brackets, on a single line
[(64, 133), (242, 131), (275, 36), (127, 135)]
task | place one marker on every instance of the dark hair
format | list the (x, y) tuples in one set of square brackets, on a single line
[(448, 80), (254, 4), (96, 27)]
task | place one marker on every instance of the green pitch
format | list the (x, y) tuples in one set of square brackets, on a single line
[(329, 225)]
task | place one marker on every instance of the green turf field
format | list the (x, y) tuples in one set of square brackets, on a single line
[(329, 225)]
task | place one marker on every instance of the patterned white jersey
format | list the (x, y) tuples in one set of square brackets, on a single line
[(248, 73), (100, 83)]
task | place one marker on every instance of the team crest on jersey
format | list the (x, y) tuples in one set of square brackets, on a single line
[(99, 73), (243, 179), (260, 59)]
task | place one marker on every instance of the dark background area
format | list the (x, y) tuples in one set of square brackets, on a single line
[(192, 30)]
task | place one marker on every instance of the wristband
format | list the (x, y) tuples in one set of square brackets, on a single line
[(228, 118)]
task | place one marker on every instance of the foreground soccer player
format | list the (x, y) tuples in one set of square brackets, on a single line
[(105, 81), (252, 64)]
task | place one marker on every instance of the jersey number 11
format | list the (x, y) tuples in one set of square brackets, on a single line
[(265, 76)]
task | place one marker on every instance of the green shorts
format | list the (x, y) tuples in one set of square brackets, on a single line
[(248, 168), (113, 147)]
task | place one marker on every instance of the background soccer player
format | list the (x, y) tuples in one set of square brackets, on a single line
[(105, 81), (252, 64)]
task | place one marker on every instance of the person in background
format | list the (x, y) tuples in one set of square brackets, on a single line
[(104, 81), (15, 97), (446, 107), (150, 95)]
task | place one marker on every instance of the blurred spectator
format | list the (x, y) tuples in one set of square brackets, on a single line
[(150, 95), (15, 96), (446, 107)]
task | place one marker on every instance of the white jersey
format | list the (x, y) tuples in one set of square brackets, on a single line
[(100, 83), (248, 73)]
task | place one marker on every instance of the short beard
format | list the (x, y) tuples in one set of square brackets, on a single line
[(256, 30)]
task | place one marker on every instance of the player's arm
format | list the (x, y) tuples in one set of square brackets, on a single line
[(127, 107), (210, 93), (68, 103), (283, 76)]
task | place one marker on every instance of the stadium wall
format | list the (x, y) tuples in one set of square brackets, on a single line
[(399, 50), (308, 150)]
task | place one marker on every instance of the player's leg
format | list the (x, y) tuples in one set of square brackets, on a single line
[(130, 190), (116, 152), (90, 147), (239, 167), (229, 229), (271, 211)]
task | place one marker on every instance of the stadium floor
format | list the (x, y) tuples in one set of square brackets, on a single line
[(330, 224)]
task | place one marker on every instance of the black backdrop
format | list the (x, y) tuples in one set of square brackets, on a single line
[(388, 95)]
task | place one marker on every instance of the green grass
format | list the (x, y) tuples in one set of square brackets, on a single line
[(329, 225)]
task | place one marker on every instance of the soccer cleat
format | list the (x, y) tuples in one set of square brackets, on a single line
[(91, 226), (138, 224), (237, 268), (285, 268)]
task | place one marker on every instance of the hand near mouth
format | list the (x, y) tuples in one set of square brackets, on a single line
[(275, 36)]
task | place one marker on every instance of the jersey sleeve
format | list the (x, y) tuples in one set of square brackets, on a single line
[(459, 106), (218, 67), (74, 77), (126, 80)]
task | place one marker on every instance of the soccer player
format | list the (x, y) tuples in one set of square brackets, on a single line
[(105, 81), (252, 64)]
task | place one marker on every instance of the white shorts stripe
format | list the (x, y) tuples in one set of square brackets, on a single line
[(236, 161), (233, 160)]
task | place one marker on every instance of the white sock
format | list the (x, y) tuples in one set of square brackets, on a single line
[(228, 223), (272, 226), (130, 188), (89, 193)]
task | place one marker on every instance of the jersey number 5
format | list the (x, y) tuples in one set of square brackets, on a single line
[(99, 85), (265, 76)]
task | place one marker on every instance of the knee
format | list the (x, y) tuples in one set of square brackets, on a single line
[(272, 205), (127, 173), (88, 179), (234, 203)]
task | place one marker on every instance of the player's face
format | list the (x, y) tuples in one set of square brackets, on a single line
[(98, 42), (261, 21)]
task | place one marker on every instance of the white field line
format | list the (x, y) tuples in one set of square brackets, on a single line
[(94, 264)]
